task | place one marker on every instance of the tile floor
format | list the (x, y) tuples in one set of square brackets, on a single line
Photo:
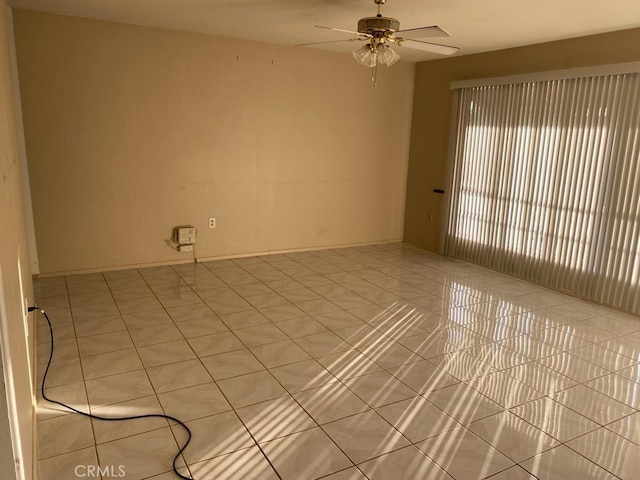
[(379, 362)]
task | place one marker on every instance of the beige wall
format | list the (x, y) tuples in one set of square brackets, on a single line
[(14, 264), (133, 130), (432, 111)]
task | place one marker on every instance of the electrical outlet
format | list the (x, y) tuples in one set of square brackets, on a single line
[(212, 223), (185, 248)]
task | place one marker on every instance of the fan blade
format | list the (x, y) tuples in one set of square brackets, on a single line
[(427, 46), (425, 32), (332, 41), (366, 35)]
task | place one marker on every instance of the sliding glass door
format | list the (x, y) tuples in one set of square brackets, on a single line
[(545, 184)]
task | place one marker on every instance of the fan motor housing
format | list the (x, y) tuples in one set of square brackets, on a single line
[(373, 25)]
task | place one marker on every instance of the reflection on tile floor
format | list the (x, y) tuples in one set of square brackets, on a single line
[(376, 362)]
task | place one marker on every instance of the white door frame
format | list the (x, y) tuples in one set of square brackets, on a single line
[(12, 408)]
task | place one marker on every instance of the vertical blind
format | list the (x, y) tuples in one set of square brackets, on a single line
[(545, 184)]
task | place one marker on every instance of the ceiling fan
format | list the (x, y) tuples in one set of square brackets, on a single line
[(380, 32)]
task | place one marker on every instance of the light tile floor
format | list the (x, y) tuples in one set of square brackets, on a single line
[(378, 362)]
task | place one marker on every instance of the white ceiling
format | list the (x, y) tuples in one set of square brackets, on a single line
[(475, 25)]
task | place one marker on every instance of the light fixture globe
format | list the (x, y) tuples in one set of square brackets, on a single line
[(386, 55), (366, 55)]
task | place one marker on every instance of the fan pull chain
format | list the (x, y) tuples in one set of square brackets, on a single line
[(374, 70)]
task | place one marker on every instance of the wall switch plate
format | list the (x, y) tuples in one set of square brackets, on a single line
[(185, 248), (212, 223)]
